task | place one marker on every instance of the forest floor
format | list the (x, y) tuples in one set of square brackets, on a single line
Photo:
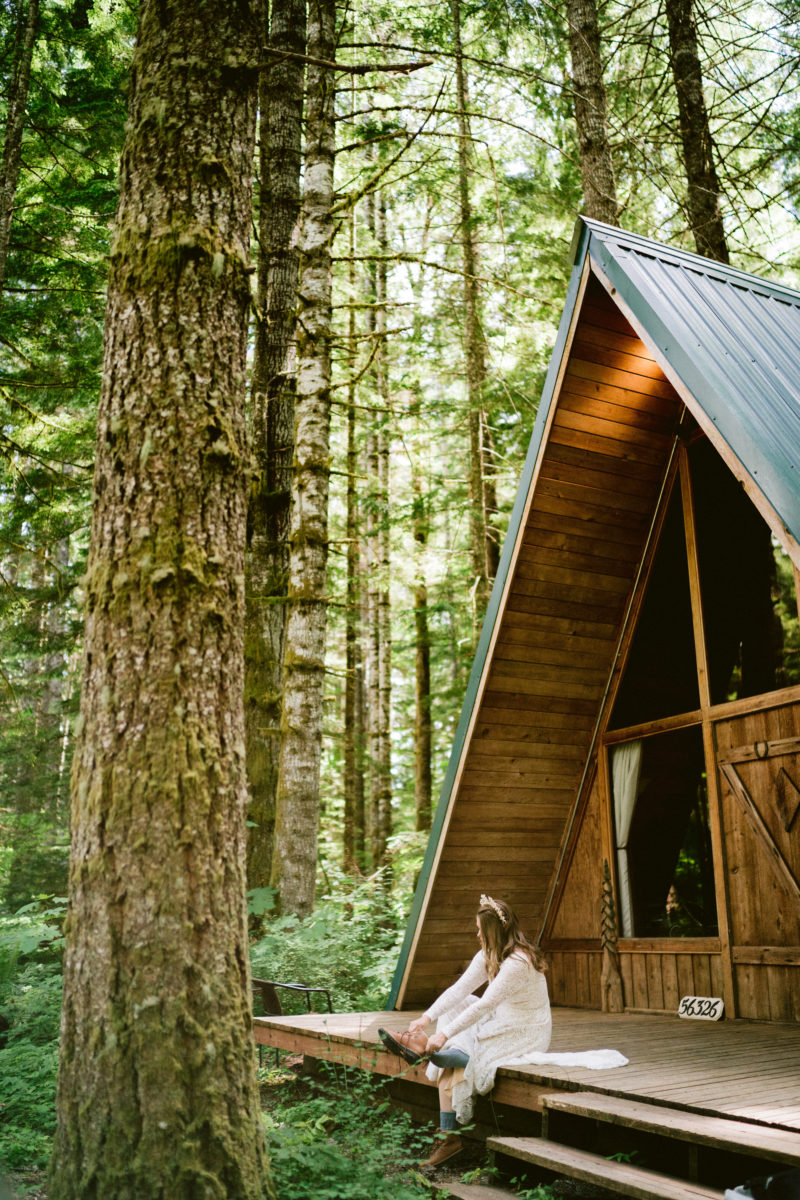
[(288, 1093)]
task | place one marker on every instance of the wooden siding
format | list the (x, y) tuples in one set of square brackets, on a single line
[(600, 475), (762, 855), (655, 979)]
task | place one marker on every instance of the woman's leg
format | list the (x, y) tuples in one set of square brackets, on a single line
[(447, 1116)]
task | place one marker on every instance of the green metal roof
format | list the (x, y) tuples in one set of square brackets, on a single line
[(732, 338), (734, 341)]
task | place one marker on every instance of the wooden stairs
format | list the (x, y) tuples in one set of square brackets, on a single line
[(602, 1139)]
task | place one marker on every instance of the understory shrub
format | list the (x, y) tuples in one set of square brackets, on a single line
[(340, 1140), (349, 944), (30, 1010)]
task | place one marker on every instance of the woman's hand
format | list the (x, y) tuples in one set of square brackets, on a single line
[(435, 1043), (418, 1025)]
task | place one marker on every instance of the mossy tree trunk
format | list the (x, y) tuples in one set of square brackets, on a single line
[(294, 863), (594, 149), (483, 538), (703, 189), (157, 1095), (272, 423), (382, 728), (15, 123), (353, 747)]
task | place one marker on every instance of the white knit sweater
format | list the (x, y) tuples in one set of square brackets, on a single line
[(509, 1025)]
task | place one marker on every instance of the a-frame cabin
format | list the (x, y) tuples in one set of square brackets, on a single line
[(625, 771)]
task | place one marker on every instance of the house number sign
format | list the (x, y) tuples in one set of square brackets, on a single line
[(701, 1008)]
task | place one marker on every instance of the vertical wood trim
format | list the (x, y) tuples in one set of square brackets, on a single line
[(489, 653), (693, 565), (717, 831), (797, 589)]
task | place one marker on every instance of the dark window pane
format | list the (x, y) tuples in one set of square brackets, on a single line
[(661, 675), (667, 855), (747, 587)]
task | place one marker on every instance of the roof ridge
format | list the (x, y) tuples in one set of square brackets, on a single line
[(685, 258)]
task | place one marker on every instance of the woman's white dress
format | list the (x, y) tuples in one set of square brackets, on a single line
[(509, 1025)]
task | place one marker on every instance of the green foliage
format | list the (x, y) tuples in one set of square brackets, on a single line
[(342, 1141), (30, 1007), (349, 944)]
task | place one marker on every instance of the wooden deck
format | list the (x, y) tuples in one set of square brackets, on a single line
[(735, 1069)]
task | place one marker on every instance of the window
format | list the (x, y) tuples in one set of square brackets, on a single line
[(661, 673), (747, 587), (664, 865)]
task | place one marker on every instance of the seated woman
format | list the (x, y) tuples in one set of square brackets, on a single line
[(509, 1025)]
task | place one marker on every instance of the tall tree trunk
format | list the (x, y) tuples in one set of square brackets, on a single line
[(382, 797), (703, 190), (297, 811), (353, 781), (597, 168), (272, 425), (422, 688), (483, 540), (157, 1092), (15, 123)]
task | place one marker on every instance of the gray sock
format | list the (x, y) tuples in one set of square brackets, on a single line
[(447, 1121)]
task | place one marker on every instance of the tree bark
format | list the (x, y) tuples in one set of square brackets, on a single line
[(483, 538), (297, 809), (272, 426), (353, 780), (703, 190), (157, 1092), (382, 794), (422, 682), (15, 123), (597, 167)]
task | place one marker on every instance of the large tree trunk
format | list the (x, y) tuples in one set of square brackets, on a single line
[(157, 1092), (15, 122), (297, 813), (272, 425), (483, 539), (597, 168), (703, 194)]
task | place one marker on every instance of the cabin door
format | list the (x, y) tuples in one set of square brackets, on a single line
[(758, 763)]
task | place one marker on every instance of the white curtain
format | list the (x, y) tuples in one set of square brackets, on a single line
[(626, 761)]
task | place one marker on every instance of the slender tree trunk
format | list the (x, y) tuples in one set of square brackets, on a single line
[(703, 194), (597, 168), (482, 549), (272, 426), (157, 1092), (422, 691), (353, 834), (15, 123), (297, 811), (383, 747)]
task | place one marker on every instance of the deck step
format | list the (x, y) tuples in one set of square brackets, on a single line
[(471, 1191), (760, 1141), (615, 1176)]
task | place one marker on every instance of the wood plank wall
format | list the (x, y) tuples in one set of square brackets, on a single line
[(601, 472)]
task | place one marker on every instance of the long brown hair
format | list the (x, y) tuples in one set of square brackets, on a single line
[(501, 936)]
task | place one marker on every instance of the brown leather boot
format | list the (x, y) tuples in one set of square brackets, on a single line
[(410, 1046), (444, 1148)]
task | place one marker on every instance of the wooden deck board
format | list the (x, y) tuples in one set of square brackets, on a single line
[(733, 1068)]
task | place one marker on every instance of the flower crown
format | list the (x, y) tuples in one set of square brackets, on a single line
[(488, 902)]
